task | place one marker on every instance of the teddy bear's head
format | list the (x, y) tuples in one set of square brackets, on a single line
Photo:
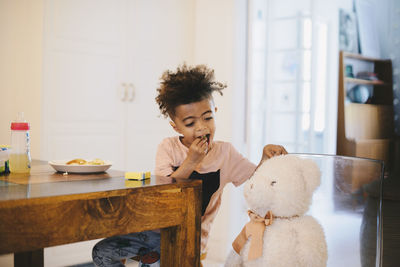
[(283, 185)]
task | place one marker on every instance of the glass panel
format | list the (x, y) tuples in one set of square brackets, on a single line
[(305, 122), (257, 66), (284, 97), (302, 147), (306, 97), (289, 8), (284, 126), (284, 66), (306, 65), (290, 147), (294, 72), (258, 102), (307, 33), (284, 34), (320, 76), (256, 123), (348, 206), (259, 31), (304, 133)]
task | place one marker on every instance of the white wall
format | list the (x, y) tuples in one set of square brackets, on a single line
[(21, 27)]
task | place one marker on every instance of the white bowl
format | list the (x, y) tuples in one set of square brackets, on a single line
[(61, 166)]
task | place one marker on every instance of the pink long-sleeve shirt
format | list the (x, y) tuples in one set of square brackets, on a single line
[(222, 164)]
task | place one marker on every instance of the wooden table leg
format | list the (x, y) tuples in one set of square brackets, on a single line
[(180, 245), (169, 251), (29, 259)]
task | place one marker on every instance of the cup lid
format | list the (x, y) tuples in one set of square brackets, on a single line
[(20, 126)]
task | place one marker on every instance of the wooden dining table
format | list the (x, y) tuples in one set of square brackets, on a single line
[(47, 208)]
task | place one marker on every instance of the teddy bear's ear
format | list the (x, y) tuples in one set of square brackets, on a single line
[(311, 174)]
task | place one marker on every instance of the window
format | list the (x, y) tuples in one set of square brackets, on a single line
[(287, 65)]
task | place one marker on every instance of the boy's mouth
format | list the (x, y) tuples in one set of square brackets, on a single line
[(206, 136)]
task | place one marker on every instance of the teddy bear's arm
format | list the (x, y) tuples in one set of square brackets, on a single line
[(233, 260)]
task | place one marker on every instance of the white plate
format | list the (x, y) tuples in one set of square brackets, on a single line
[(61, 166)]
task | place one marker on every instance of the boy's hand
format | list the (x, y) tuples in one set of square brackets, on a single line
[(198, 150), (270, 151)]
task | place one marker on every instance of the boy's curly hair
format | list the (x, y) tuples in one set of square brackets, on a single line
[(186, 85)]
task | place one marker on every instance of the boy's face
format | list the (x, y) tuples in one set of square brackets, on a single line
[(195, 120)]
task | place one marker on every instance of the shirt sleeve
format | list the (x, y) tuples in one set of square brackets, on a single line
[(240, 167), (164, 159)]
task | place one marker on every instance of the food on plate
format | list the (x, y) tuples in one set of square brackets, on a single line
[(84, 162), (77, 162), (96, 162)]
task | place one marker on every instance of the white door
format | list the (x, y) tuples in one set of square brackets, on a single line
[(161, 37), (84, 67), (91, 49)]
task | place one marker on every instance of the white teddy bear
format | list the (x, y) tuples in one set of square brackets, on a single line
[(279, 234)]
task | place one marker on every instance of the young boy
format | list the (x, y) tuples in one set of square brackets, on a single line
[(185, 96)]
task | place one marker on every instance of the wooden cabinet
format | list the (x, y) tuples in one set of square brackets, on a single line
[(365, 129)]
